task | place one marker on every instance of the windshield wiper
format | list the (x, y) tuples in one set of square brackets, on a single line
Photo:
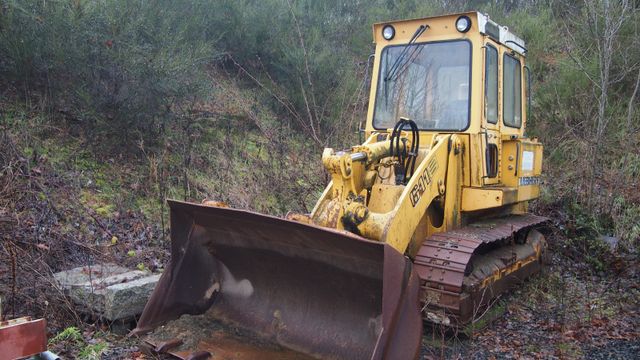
[(393, 70)]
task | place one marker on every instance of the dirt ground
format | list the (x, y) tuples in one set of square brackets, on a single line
[(51, 222), (562, 313)]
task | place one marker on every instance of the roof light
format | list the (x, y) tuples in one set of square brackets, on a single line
[(388, 32), (463, 24)]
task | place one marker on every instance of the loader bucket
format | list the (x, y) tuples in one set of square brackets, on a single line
[(241, 285)]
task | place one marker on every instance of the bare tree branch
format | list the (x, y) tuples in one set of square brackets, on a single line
[(631, 107), (312, 118)]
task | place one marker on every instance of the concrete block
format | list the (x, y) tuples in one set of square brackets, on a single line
[(108, 290)]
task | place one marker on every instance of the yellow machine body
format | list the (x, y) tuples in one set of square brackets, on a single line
[(455, 167)]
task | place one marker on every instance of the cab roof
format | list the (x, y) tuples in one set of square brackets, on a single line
[(483, 24)]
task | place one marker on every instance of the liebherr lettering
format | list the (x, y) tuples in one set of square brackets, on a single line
[(423, 182)]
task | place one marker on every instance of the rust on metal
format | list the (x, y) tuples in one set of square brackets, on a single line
[(446, 259), (199, 355), (230, 345), (301, 289), (167, 345), (22, 337)]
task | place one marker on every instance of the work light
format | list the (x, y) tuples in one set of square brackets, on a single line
[(463, 24), (388, 32)]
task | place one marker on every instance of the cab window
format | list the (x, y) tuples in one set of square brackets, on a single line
[(491, 84), (527, 90), (491, 156), (512, 89), (427, 83)]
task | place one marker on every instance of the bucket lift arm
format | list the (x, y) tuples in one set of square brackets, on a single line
[(344, 203)]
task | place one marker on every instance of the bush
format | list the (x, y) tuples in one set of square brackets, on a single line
[(120, 70)]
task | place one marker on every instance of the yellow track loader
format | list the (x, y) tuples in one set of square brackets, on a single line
[(425, 221)]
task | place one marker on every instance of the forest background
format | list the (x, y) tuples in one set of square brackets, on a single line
[(108, 107)]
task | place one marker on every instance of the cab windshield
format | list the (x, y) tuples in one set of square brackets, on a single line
[(427, 83)]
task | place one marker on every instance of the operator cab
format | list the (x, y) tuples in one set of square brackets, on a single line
[(432, 71), (459, 73)]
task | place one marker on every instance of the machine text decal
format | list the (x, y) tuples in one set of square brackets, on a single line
[(425, 179), (530, 180)]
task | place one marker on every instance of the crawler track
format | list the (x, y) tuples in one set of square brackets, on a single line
[(462, 270)]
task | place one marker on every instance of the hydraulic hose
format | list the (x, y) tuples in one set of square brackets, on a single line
[(406, 159)]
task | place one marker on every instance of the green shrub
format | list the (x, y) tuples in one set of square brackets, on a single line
[(626, 219), (72, 341), (92, 351), (70, 335), (584, 230), (118, 69)]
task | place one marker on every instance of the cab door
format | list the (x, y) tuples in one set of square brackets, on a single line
[(491, 141)]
